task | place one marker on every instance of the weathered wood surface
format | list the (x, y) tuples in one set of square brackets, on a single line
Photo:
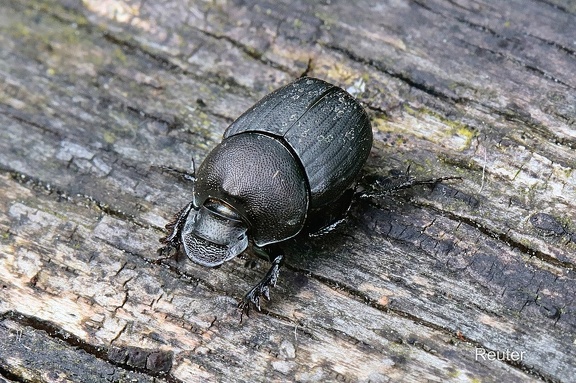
[(96, 97)]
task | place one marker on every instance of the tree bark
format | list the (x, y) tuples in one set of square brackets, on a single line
[(104, 105)]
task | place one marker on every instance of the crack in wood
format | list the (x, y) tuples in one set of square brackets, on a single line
[(250, 52), (12, 377), (360, 297), (65, 197), (506, 239), (100, 352), (397, 75)]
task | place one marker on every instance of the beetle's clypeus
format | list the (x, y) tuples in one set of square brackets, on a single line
[(286, 166)]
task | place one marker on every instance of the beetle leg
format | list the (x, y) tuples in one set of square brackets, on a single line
[(399, 181), (183, 175), (325, 219), (262, 288), (172, 240), (328, 228)]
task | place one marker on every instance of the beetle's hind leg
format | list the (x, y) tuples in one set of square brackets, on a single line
[(398, 180), (171, 242), (262, 288)]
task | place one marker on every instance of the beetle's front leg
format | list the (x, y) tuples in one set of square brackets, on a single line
[(262, 288), (172, 240)]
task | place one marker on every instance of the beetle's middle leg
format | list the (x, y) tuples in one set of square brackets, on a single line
[(262, 288), (382, 186)]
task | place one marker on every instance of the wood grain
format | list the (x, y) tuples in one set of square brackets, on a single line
[(101, 100)]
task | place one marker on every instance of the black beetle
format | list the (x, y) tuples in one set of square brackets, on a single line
[(290, 159)]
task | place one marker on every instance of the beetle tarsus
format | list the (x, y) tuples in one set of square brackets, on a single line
[(399, 181), (167, 251), (182, 174), (176, 225), (262, 289), (266, 292), (172, 240)]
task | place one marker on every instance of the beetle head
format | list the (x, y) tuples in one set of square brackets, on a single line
[(214, 234)]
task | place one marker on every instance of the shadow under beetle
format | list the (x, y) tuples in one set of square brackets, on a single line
[(287, 166)]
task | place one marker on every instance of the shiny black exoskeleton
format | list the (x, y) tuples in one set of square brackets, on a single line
[(292, 157)]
